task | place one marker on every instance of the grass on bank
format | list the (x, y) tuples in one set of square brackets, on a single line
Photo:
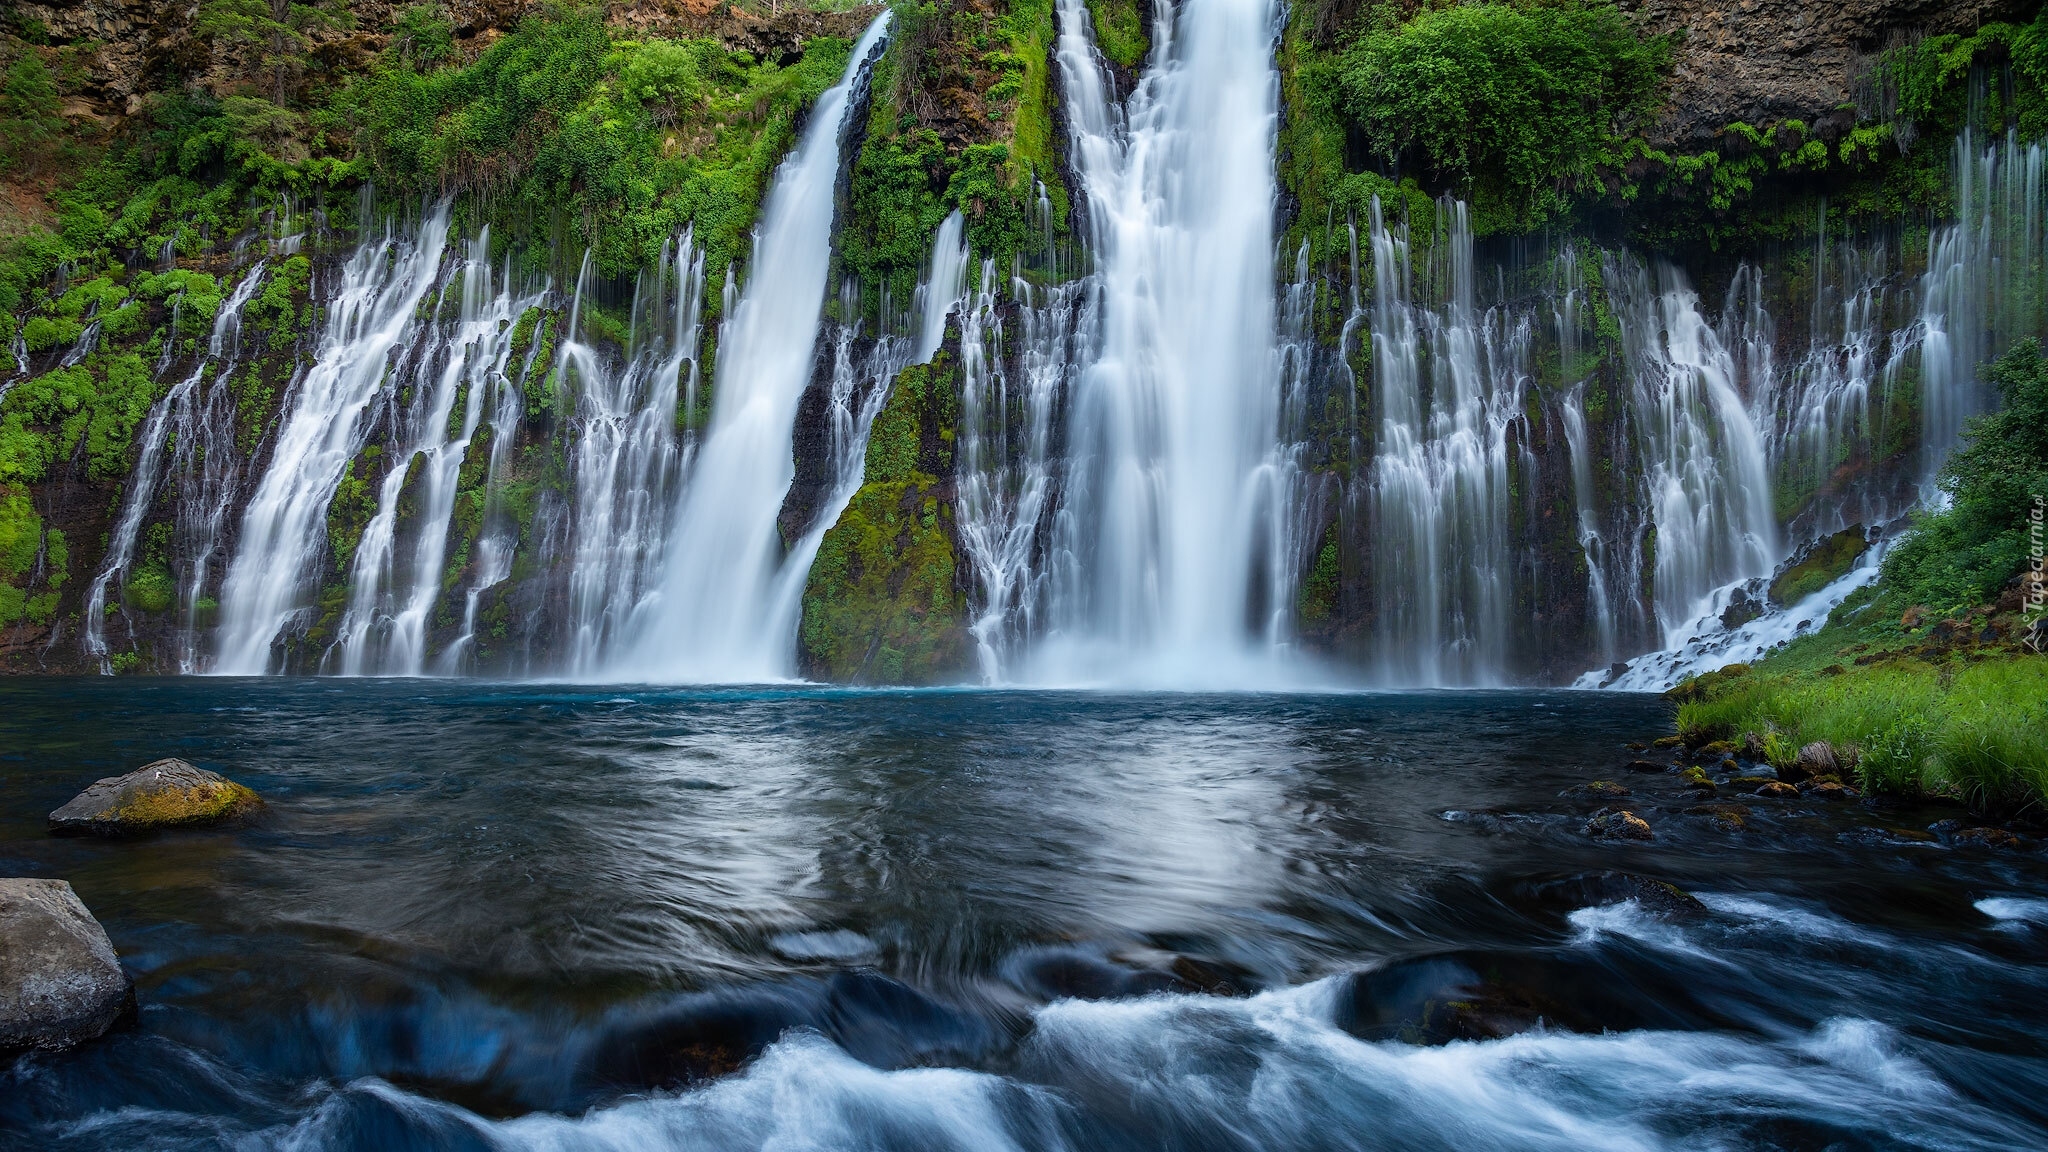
[(1921, 680)]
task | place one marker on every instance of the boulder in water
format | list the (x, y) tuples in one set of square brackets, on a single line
[(1777, 788), (1618, 824), (60, 983), (1599, 789), (165, 794)]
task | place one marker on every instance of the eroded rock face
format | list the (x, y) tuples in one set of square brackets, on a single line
[(60, 983), (166, 794), (1765, 61)]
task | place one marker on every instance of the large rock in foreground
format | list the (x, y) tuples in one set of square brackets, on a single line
[(59, 981), (165, 794)]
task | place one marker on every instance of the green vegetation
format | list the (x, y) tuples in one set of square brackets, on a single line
[(1827, 563), (566, 132), (1963, 555), (961, 119), (883, 602), (1520, 109), (1120, 31), (1921, 679)]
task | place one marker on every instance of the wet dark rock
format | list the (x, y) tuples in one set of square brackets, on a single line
[(1778, 789), (1615, 672), (60, 982), (1742, 608), (1726, 817), (1638, 746), (889, 1024), (1697, 780), (1730, 765), (1987, 838), (1667, 742), (699, 1037), (1599, 889), (1598, 790), (1645, 766), (1831, 790), (1476, 994), (1070, 973), (168, 793), (1718, 749), (1618, 824)]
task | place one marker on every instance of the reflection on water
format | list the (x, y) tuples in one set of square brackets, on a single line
[(481, 916)]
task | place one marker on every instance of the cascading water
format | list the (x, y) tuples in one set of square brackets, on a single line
[(1172, 426), (715, 614), (451, 363), (1705, 481), (173, 421), (1986, 283), (283, 530), (1007, 480), (628, 457), (1450, 383)]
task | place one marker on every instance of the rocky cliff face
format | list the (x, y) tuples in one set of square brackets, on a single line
[(1764, 61)]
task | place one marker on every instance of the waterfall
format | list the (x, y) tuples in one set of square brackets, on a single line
[(1986, 284), (714, 613), (1451, 381), (945, 285), (439, 386), (177, 409), (627, 455), (1005, 465), (1173, 420), (283, 530)]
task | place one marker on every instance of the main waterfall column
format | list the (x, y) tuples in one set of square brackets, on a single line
[(1173, 431), (713, 619)]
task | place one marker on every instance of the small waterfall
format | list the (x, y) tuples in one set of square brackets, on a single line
[(945, 285), (283, 531), (1007, 483), (178, 409), (438, 388), (1172, 428), (1451, 382), (627, 454), (1704, 478), (1986, 284), (714, 617)]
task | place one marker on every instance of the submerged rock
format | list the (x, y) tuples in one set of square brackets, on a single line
[(1726, 817), (168, 793), (1599, 789), (60, 983), (1777, 788), (1618, 824)]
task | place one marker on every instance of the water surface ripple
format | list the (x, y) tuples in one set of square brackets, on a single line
[(480, 916)]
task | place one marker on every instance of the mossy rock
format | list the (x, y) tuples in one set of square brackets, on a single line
[(1822, 565), (168, 793)]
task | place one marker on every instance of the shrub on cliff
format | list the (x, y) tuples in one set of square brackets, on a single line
[(1516, 108), (1962, 555)]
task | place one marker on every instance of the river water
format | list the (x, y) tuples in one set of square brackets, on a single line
[(483, 916)]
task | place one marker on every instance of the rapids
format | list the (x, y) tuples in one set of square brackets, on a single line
[(488, 916)]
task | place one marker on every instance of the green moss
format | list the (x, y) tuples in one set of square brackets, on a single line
[(1518, 108), (1317, 602), (1825, 564), (150, 588), (1120, 31), (354, 503), (883, 602)]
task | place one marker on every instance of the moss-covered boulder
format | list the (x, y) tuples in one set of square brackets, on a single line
[(885, 602), (1821, 565), (165, 794)]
